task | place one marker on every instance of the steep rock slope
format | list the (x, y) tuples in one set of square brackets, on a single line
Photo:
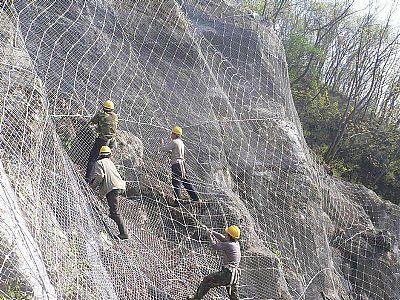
[(219, 73)]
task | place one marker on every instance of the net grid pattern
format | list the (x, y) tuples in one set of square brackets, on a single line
[(212, 68)]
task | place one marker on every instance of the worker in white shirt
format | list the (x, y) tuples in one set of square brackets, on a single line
[(179, 175)]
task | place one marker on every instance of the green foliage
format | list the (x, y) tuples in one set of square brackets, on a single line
[(371, 154), (254, 5), (314, 33), (370, 151), (298, 52), (318, 112), (14, 291)]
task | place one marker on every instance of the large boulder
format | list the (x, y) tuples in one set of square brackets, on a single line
[(220, 74)]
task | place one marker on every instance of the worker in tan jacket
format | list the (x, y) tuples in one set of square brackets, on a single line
[(110, 183)]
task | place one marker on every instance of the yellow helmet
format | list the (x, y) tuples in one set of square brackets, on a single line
[(108, 104), (233, 231), (177, 130), (104, 150)]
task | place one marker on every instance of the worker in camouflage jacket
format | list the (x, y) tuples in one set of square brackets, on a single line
[(106, 122)]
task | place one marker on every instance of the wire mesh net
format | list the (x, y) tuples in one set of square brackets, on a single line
[(215, 70)]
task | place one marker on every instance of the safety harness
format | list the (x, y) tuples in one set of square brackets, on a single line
[(183, 168), (235, 274)]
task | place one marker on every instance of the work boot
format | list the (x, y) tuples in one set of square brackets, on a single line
[(121, 228), (123, 236)]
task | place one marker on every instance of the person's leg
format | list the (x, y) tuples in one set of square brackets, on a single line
[(189, 188), (213, 280), (112, 200), (112, 143), (94, 154), (187, 184), (176, 180), (233, 292)]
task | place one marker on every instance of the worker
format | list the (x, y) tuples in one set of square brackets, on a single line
[(106, 122), (229, 275), (179, 174), (110, 183)]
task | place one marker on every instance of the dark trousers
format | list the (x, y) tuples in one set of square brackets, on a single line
[(221, 278), (112, 200), (178, 179), (94, 154)]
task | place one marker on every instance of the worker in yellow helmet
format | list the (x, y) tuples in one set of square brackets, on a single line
[(110, 184), (229, 275), (179, 174), (106, 122)]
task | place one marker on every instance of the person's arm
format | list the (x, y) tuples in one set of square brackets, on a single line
[(168, 147), (115, 123), (98, 175), (215, 243), (219, 236), (217, 240), (95, 119)]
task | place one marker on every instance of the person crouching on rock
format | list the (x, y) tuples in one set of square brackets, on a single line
[(229, 275), (110, 183), (106, 122), (179, 175)]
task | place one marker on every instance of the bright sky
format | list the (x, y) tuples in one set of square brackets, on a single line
[(383, 7)]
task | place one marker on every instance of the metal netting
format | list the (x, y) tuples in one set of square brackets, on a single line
[(218, 72)]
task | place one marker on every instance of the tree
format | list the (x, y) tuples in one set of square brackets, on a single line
[(344, 71)]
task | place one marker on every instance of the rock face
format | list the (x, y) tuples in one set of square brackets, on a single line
[(220, 74)]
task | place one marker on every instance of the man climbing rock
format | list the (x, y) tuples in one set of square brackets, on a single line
[(179, 175), (106, 122), (110, 183), (229, 275)]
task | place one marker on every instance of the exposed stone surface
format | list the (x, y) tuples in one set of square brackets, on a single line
[(220, 74)]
